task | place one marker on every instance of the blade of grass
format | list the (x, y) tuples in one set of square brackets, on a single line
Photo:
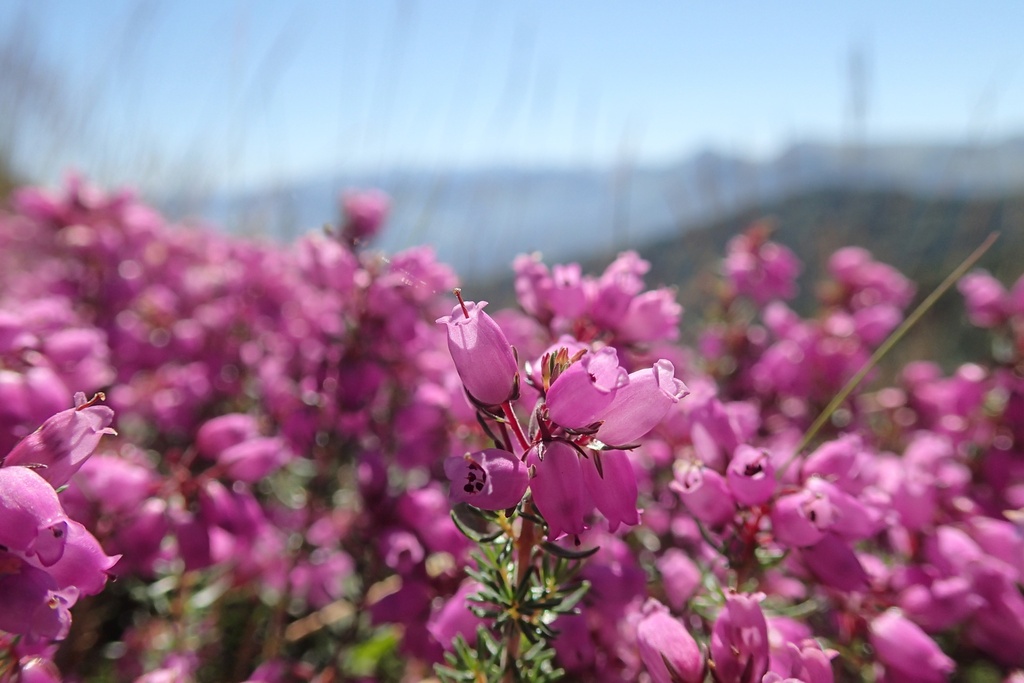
[(889, 342)]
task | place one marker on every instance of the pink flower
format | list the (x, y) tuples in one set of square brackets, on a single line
[(985, 297), (32, 520), (798, 519), (586, 389), (58, 448), (704, 492), (669, 652), (222, 432), (614, 488), (365, 211), (833, 562), (455, 617), (483, 357), (558, 489), (491, 479), (906, 651), (751, 475), (641, 404), (739, 640)]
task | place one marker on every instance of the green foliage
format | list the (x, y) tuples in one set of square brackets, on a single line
[(522, 592)]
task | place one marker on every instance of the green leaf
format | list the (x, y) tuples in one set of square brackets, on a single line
[(568, 554)]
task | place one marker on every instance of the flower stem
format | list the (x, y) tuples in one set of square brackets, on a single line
[(525, 543), (510, 415)]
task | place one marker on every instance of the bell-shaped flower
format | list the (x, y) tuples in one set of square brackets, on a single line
[(985, 297), (739, 640), (224, 431), (799, 519), (704, 492), (32, 520), (584, 390), (33, 604), (680, 575), (906, 651), (669, 652), (483, 357), (38, 670), (455, 618), (83, 565), (651, 316), (613, 488), (833, 562), (852, 519), (491, 479), (254, 459), (59, 447), (364, 212), (804, 661), (558, 490), (641, 404), (751, 475)]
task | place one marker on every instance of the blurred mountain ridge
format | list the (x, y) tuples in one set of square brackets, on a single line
[(924, 237), (478, 220)]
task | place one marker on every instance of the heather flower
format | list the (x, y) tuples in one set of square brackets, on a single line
[(364, 212), (221, 433), (491, 479), (751, 475), (760, 269), (681, 576), (985, 297), (62, 443), (613, 487), (651, 316), (482, 354), (33, 521), (638, 406), (906, 651), (585, 390), (739, 640), (704, 492), (254, 459), (669, 652), (455, 617), (833, 563), (34, 605), (38, 670), (803, 661), (799, 519), (558, 489)]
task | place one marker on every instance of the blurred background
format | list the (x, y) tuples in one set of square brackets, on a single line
[(575, 128)]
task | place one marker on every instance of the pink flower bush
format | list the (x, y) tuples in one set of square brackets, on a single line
[(298, 425)]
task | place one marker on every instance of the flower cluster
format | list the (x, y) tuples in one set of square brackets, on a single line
[(586, 410), (305, 430), (47, 558)]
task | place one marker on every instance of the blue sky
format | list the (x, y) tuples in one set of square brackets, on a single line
[(241, 93)]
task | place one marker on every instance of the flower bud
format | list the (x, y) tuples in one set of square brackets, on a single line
[(906, 651), (483, 357), (669, 652)]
